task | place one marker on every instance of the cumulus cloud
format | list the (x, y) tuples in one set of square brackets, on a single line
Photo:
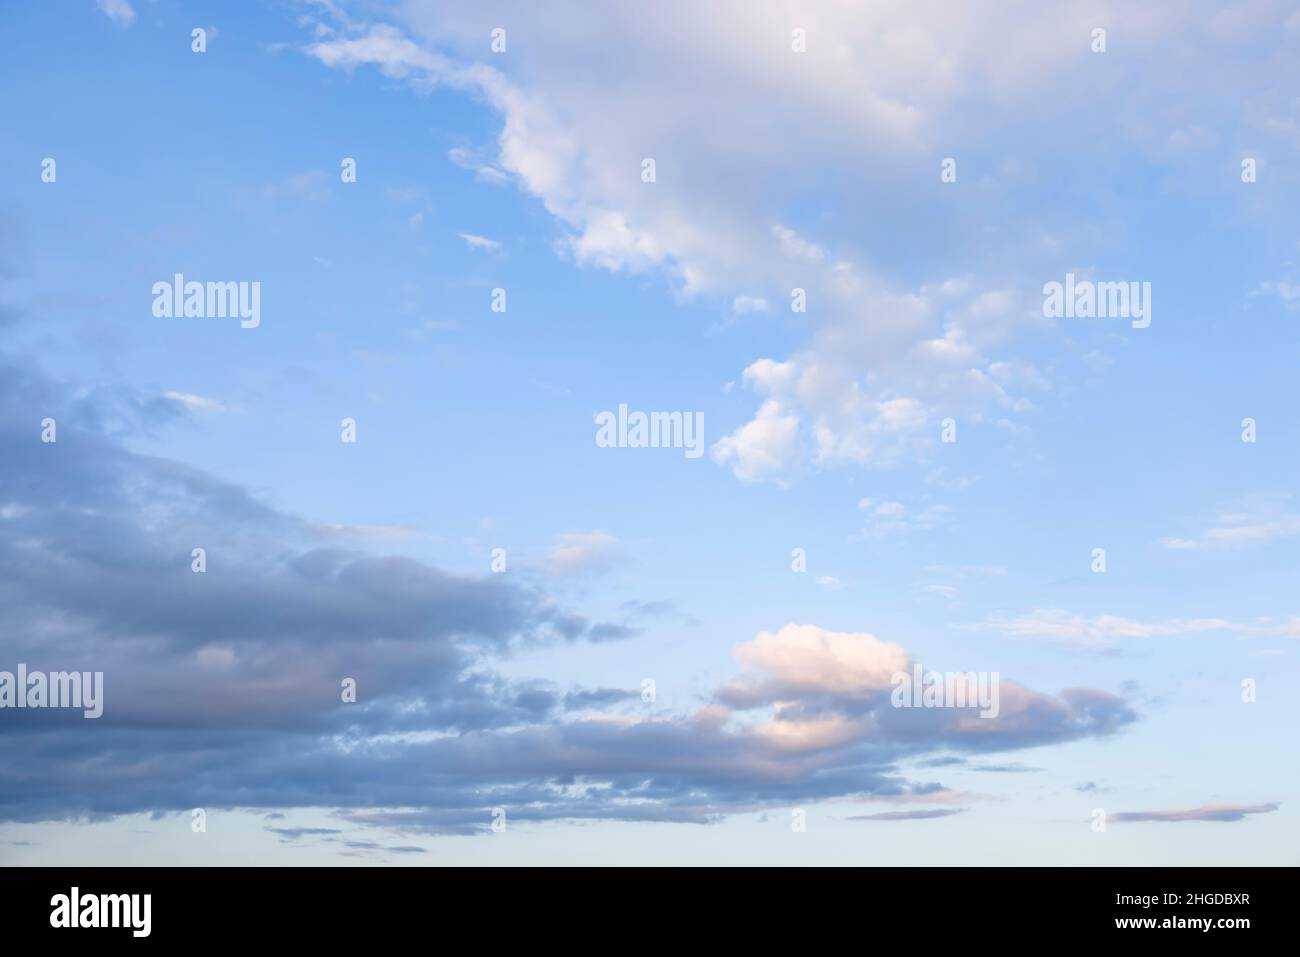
[(825, 687), (892, 344), (885, 357), (223, 689), (763, 448), (804, 659)]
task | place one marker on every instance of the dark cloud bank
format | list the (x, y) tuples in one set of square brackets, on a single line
[(222, 690)]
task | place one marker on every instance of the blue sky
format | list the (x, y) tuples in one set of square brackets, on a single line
[(775, 170)]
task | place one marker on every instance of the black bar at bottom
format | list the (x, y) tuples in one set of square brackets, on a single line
[(332, 906)]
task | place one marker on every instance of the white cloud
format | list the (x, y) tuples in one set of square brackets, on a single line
[(947, 591), (196, 403), (1059, 625), (1018, 373), (794, 246), (939, 477), (812, 660), (764, 448), (472, 161), (1287, 292), (1261, 518), (743, 305), (479, 242), (783, 733), (609, 242), (894, 517), (1096, 361), (946, 574), (584, 553), (581, 107), (119, 11), (870, 389)]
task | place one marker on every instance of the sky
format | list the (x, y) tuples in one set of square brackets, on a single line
[(824, 230)]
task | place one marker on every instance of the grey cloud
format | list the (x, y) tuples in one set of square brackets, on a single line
[(1223, 813), (909, 815), (1005, 768), (222, 689), (598, 698), (941, 762), (294, 833), (663, 608), (610, 631)]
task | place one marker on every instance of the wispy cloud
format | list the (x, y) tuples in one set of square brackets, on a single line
[(890, 517), (924, 815), (1222, 813), (1236, 531), (196, 403), (373, 532), (743, 305), (473, 161), (584, 553), (1257, 523), (119, 11), (309, 186), (479, 242), (1056, 624)]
